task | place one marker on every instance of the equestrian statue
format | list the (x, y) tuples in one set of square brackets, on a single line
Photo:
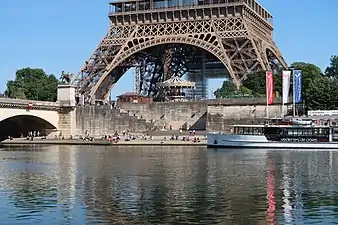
[(66, 77)]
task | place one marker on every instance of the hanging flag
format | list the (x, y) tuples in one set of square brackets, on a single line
[(269, 87), (286, 86), (297, 82)]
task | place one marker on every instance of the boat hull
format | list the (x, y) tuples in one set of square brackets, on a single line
[(260, 141)]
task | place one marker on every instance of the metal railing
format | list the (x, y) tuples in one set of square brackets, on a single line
[(125, 7)]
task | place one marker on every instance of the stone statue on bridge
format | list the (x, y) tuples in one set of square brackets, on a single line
[(66, 77)]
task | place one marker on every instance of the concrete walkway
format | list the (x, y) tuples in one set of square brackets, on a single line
[(154, 142)]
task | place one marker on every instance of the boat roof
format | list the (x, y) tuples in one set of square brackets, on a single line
[(313, 118), (304, 118), (286, 126)]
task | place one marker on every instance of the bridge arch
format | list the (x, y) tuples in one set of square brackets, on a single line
[(207, 42), (20, 125)]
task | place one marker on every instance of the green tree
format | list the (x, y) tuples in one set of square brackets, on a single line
[(33, 84), (245, 91), (323, 94), (256, 82), (228, 88), (332, 69), (309, 72)]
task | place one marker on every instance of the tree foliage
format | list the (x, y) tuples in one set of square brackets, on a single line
[(322, 91), (256, 82), (253, 86), (33, 84), (323, 94), (319, 90), (229, 90), (332, 69)]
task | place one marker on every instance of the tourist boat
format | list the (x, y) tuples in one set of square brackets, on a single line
[(294, 134)]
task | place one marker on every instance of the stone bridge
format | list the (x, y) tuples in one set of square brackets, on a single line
[(18, 117)]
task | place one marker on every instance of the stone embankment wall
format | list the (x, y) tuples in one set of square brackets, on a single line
[(211, 115), (101, 120), (221, 117), (162, 115)]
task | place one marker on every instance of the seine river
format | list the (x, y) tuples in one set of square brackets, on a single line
[(162, 185)]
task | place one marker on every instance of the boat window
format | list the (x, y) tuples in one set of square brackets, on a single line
[(272, 130), (306, 131), (258, 130), (324, 131), (238, 130), (248, 130), (315, 131), (289, 131)]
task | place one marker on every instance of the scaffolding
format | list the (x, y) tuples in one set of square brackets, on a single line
[(137, 79)]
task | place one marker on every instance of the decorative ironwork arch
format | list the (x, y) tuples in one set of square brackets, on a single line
[(276, 53), (207, 42)]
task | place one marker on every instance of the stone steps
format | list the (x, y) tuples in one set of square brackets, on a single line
[(105, 120), (191, 123)]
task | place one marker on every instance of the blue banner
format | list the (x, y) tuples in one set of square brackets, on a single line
[(297, 82)]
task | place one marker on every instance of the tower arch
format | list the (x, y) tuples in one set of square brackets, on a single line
[(205, 42)]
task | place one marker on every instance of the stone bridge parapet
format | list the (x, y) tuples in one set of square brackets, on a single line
[(33, 105)]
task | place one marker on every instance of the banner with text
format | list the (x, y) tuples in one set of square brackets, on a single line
[(269, 87), (297, 82), (286, 86)]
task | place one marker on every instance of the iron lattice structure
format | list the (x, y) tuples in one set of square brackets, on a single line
[(161, 39)]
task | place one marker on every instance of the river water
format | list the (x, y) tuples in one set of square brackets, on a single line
[(162, 185)]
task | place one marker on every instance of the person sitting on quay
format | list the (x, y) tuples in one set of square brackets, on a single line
[(196, 139), (186, 138), (174, 137)]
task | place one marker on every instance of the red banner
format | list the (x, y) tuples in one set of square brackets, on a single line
[(30, 106), (269, 87)]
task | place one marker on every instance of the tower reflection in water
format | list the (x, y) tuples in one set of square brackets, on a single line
[(307, 184), (168, 186), (271, 192)]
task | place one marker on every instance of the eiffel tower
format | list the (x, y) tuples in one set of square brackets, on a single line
[(163, 38)]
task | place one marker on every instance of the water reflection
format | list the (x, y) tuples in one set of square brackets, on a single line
[(89, 185)]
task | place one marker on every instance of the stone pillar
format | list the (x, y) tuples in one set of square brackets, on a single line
[(66, 95), (67, 114)]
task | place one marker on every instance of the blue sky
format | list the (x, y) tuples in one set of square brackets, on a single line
[(60, 35)]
